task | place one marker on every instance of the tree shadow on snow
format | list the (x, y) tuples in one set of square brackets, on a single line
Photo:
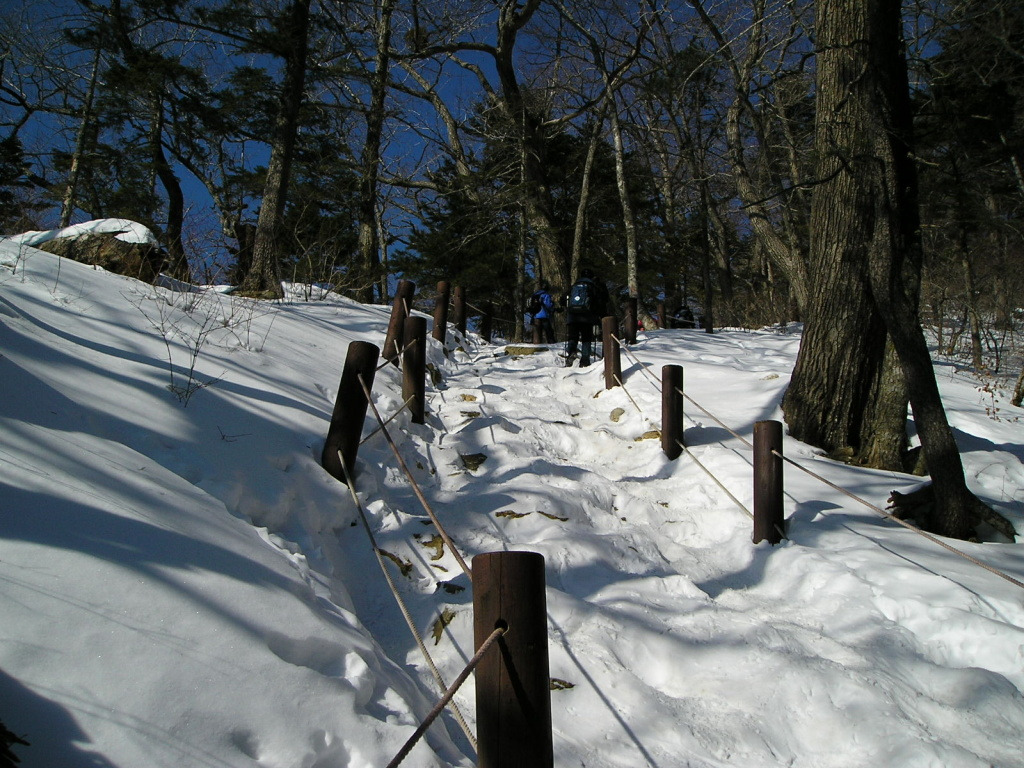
[(53, 735)]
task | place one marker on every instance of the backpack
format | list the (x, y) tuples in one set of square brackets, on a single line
[(581, 296), (535, 305)]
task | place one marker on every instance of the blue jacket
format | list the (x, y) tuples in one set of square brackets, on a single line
[(547, 305)]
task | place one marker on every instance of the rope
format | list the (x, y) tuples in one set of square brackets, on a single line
[(718, 421), (827, 482), (635, 405), (401, 604), (904, 523), (387, 421), (682, 445), (645, 369), (399, 353), (448, 695), (717, 481), (415, 486)]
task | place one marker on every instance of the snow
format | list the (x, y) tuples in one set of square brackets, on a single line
[(122, 229), (181, 584)]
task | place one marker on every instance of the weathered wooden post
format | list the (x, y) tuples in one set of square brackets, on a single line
[(487, 322), (459, 309), (672, 411), (349, 409), (513, 696), (441, 311), (414, 367), (631, 310), (393, 341), (769, 518), (662, 320), (612, 360)]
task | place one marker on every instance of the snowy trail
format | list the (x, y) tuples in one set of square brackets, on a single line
[(657, 595)]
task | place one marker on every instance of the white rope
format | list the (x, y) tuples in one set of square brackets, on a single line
[(401, 603), (865, 502), (415, 486)]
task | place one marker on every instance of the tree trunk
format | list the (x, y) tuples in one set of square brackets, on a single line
[(369, 243), (628, 216), (842, 397), (863, 142), (82, 142), (513, 17), (178, 266), (581, 208), (1018, 390), (264, 276)]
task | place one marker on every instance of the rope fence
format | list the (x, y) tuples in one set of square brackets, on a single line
[(909, 526), (405, 611), (516, 683), (495, 602), (415, 486), (449, 694)]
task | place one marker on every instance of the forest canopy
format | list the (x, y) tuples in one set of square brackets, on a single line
[(668, 145)]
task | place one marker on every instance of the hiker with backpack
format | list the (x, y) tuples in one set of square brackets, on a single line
[(542, 308), (585, 306)]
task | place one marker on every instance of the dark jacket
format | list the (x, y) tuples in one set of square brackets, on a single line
[(598, 303)]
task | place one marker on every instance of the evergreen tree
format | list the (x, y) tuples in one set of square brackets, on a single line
[(14, 180)]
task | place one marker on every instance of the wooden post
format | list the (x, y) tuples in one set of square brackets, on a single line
[(394, 342), (612, 361), (487, 322), (513, 683), (631, 310), (769, 518), (414, 367), (441, 311), (662, 320), (349, 409), (459, 309), (672, 411)]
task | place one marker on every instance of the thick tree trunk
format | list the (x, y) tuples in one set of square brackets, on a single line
[(1018, 390), (839, 397), (863, 140), (178, 266)]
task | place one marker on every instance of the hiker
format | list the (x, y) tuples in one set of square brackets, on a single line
[(543, 309), (684, 318), (585, 306)]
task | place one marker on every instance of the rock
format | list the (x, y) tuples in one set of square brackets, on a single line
[(143, 261)]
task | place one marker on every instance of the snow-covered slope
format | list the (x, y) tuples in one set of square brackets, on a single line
[(182, 585)]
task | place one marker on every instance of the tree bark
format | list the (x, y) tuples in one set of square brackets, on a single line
[(863, 140), (264, 276), (82, 142), (512, 17), (369, 243)]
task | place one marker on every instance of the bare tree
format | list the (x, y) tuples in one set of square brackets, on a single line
[(746, 44), (612, 58)]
